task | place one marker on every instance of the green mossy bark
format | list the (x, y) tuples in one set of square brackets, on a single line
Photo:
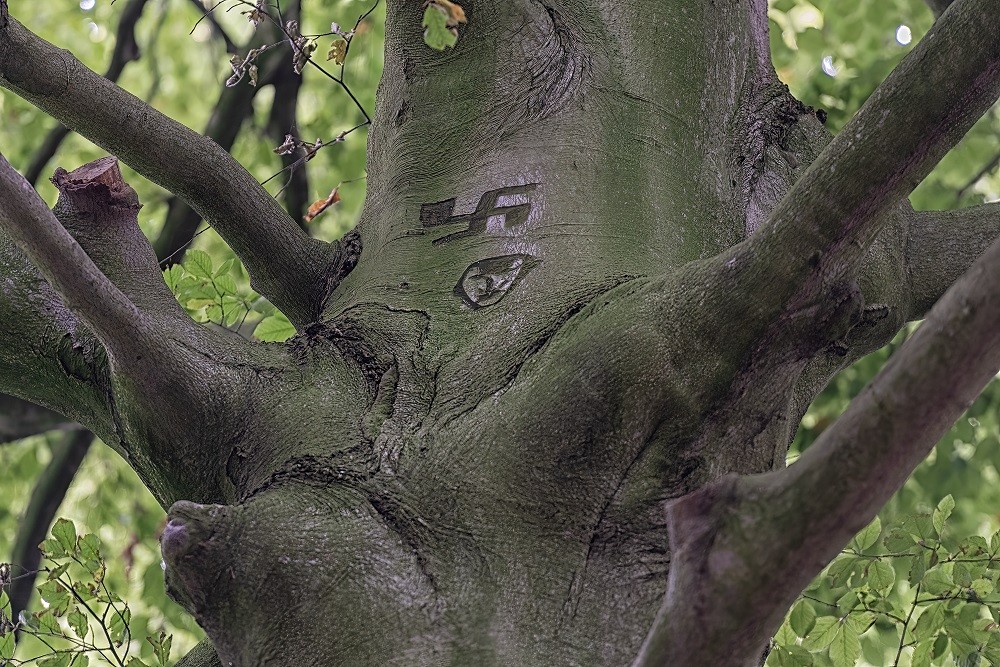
[(498, 497), (555, 325)]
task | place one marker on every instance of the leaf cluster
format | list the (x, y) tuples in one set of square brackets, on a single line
[(210, 294), (908, 590), (81, 618)]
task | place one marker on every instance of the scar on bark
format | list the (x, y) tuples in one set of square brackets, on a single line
[(95, 185)]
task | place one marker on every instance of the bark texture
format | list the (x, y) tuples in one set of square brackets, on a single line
[(609, 273)]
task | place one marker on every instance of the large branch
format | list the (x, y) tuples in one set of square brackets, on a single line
[(126, 50), (820, 230), (84, 288), (284, 263), (939, 6), (756, 542), (234, 106), (942, 246), (20, 419), (174, 385), (202, 655)]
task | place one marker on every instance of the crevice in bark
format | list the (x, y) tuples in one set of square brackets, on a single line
[(349, 250), (347, 335), (559, 68), (539, 345), (767, 164)]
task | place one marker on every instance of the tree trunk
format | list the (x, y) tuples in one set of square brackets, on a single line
[(577, 293), (533, 352)]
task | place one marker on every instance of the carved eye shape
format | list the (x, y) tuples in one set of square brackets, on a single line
[(487, 282)]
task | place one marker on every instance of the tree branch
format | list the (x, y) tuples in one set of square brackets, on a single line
[(100, 211), (126, 50), (942, 246), (820, 230), (202, 655), (217, 28), (48, 494), (21, 419), (756, 542), (84, 288), (284, 120), (174, 385), (939, 6), (234, 106), (284, 263), (47, 356)]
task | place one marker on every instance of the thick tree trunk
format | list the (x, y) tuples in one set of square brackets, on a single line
[(577, 293), (533, 353)]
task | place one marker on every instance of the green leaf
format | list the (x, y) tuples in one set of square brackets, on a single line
[(59, 571), (964, 634), (929, 622), (263, 306), (54, 593), (982, 587), (198, 263), (973, 659), (52, 549), (7, 646), (214, 313), (869, 535), (824, 632), (80, 660), (57, 660), (161, 647), (790, 656), (802, 618), (881, 576), (937, 580), (65, 533), (961, 575), (437, 34), (85, 593), (975, 545), (922, 654), (845, 649), (47, 622), (919, 564), (785, 634), (898, 540), (226, 285), (942, 512), (274, 328), (940, 646), (78, 621), (224, 268), (841, 569), (118, 626), (90, 551), (172, 276)]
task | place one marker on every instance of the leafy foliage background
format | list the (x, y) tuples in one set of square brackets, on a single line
[(181, 74)]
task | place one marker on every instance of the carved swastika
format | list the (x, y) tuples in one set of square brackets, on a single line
[(487, 282), (514, 215)]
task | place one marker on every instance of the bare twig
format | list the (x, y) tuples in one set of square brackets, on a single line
[(46, 497)]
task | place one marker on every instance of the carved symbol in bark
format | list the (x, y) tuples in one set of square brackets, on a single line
[(492, 204), (487, 282)]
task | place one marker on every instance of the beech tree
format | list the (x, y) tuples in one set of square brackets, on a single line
[(538, 403)]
